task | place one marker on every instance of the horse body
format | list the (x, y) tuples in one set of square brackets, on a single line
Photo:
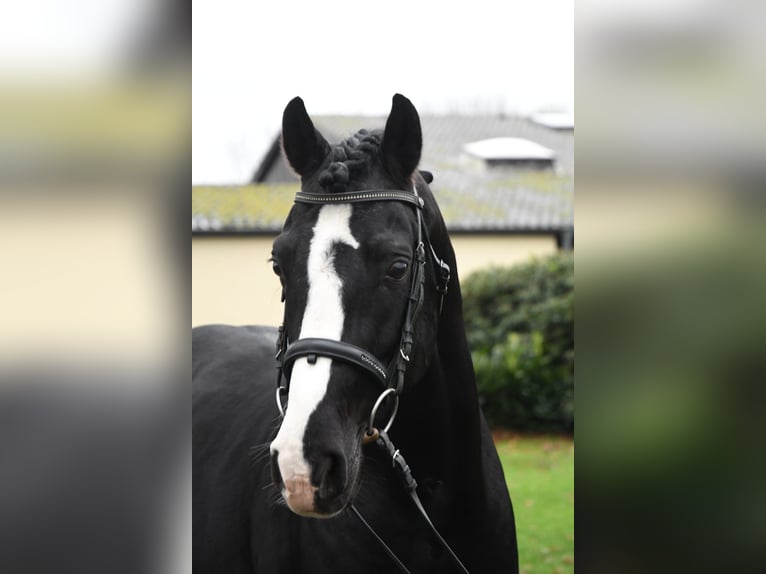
[(241, 522)]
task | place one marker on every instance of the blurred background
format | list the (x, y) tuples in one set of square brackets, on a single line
[(97, 289), (94, 410), (670, 283)]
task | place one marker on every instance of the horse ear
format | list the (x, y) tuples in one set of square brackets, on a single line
[(304, 146), (402, 139)]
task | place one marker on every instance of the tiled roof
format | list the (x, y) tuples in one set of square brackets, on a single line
[(444, 136), (532, 202), (241, 208), (472, 199)]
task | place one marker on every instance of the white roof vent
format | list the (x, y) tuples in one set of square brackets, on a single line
[(514, 152), (554, 120)]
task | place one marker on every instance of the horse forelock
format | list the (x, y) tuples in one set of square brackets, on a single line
[(351, 160)]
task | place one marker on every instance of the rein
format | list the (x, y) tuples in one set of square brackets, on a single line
[(391, 378), (410, 485)]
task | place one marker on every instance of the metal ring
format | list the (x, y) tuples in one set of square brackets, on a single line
[(279, 401), (405, 357), (376, 406)]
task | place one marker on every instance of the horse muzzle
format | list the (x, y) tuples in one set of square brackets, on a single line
[(300, 495), (321, 493)]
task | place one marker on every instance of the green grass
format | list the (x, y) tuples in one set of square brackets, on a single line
[(539, 472)]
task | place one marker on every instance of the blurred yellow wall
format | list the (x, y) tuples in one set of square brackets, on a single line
[(232, 281)]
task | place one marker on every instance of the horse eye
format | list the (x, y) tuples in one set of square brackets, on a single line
[(277, 269), (398, 269)]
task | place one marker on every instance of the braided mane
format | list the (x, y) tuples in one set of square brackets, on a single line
[(350, 159)]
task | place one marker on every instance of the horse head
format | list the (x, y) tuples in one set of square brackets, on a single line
[(353, 274)]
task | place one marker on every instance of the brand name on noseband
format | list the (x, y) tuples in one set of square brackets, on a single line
[(374, 365), (312, 347)]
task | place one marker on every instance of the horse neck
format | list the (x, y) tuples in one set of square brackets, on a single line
[(439, 422)]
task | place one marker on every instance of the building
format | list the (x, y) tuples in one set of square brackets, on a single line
[(505, 185)]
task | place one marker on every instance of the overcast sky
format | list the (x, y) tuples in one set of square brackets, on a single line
[(251, 57)]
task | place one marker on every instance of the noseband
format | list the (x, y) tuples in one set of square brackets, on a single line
[(390, 377)]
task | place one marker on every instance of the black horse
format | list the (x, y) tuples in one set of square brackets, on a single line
[(370, 313)]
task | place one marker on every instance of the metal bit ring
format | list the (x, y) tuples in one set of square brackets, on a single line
[(279, 400), (376, 406)]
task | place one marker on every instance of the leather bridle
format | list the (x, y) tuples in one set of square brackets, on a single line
[(389, 376)]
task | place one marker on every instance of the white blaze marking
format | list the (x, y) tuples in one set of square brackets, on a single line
[(323, 318)]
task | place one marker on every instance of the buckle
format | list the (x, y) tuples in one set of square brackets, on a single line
[(444, 276)]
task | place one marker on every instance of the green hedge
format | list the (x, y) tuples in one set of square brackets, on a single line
[(520, 328)]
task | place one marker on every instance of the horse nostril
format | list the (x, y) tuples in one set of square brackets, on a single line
[(330, 475), (276, 476)]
